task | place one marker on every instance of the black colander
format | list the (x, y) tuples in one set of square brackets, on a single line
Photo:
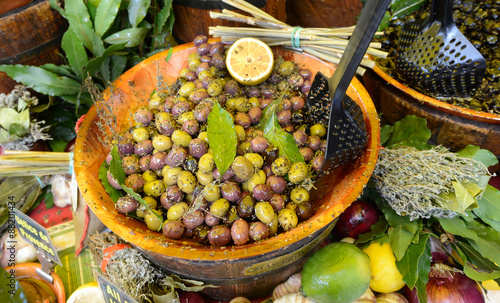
[(436, 58)]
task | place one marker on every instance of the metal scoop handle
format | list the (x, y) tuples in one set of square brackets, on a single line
[(442, 11), (368, 23)]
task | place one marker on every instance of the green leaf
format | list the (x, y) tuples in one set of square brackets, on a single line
[(376, 230), (282, 140), (7, 284), (113, 193), (169, 54), (98, 45), (61, 70), (482, 155), (105, 15), (488, 205), (75, 52), (130, 37), (462, 198), (400, 239), (55, 4), (408, 266), (410, 131), (268, 112), (42, 81), (400, 8), (221, 137), (424, 267), (137, 10), (16, 129), (105, 69), (118, 64), (94, 65), (7, 117), (162, 17), (80, 22), (385, 133), (476, 266), (57, 145), (115, 166)]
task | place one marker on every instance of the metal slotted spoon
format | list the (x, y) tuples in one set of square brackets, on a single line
[(347, 136), (435, 57)]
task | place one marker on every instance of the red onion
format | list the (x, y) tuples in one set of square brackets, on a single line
[(448, 285)]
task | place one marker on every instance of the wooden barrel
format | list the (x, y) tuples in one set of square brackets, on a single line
[(251, 270), (192, 17), (451, 126), (30, 35), (325, 13)]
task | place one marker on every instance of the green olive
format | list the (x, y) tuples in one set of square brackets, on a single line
[(153, 219), (256, 159), (155, 102), (318, 130), (288, 219), (254, 102), (205, 73), (194, 55), (280, 166), (186, 181), (299, 195), (181, 138), (242, 168), (264, 212), (286, 68), (212, 192), (176, 211), (170, 174), (231, 103), (242, 105), (298, 172), (206, 163), (193, 64), (140, 134), (149, 176), (258, 177), (183, 72), (204, 178), (154, 188), (186, 89), (273, 226), (162, 142), (203, 136), (150, 202), (240, 132), (214, 88), (220, 207), (187, 116)]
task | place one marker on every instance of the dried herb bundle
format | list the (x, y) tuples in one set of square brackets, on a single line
[(425, 183)]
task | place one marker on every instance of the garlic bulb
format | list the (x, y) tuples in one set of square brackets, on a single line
[(292, 285)]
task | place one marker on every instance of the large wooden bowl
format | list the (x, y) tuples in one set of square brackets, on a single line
[(451, 126), (250, 270)]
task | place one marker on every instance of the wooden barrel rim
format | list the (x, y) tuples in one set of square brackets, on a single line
[(348, 190), (440, 105)]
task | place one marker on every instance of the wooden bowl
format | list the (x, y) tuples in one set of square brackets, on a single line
[(28, 271), (250, 270), (451, 126)]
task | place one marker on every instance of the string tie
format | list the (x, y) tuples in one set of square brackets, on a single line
[(71, 160), (296, 37)]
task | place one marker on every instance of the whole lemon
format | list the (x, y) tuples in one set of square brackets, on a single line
[(385, 275), (337, 273)]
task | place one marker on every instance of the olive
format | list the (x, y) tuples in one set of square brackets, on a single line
[(307, 153), (143, 147), (299, 195), (219, 235), (134, 181), (300, 137), (218, 61), (143, 116), (287, 219), (193, 63), (170, 175), (277, 202), (155, 102), (220, 207), (306, 87), (318, 130), (204, 178), (157, 161), (259, 144), (203, 48), (262, 192), (258, 231), (199, 95), (243, 120), (286, 68), (149, 176), (212, 192), (165, 123), (206, 58), (270, 154), (200, 234), (256, 159), (186, 181), (200, 39), (230, 191), (113, 181), (206, 163), (284, 116), (242, 168), (173, 229), (126, 204), (217, 48), (201, 112), (176, 157), (181, 107), (246, 206), (176, 211), (214, 88), (267, 170), (298, 172), (203, 67), (259, 177), (151, 204), (130, 165), (280, 166), (318, 161), (277, 184), (305, 73), (231, 215), (190, 75), (153, 219), (264, 212), (196, 218), (154, 188), (242, 104), (295, 81), (161, 142), (197, 148), (239, 232), (173, 194), (305, 210), (211, 220), (139, 134), (313, 142)]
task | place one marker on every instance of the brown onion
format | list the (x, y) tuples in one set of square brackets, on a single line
[(448, 285)]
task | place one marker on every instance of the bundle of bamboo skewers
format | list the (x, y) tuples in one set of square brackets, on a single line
[(33, 163), (325, 43)]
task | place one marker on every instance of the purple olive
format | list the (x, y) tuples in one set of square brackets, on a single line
[(298, 102), (300, 137), (239, 232), (204, 48), (126, 204), (190, 76), (252, 91), (286, 104), (173, 229), (206, 58), (200, 39), (143, 148), (230, 191), (305, 73), (134, 181), (265, 102), (284, 116), (219, 235), (277, 202), (218, 61), (307, 153), (198, 96), (201, 112), (130, 165), (203, 66), (109, 158), (217, 48), (144, 162), (126, 147), (305, 87), (176, 157), (157, 161), (113, 181), (259, 144), (314, 142), (262, 192), (143, 115), (277, 184), (232, 87), (255, 114), (180, 108), (228, 174), (197, 148), (295, 81), (194, 219), (174, 194), (258, 231), (168, 106), (211, 220), (191, 127), (243, 119), (318, 161), (165, 123)]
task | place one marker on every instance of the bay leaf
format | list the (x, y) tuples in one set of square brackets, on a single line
[(482, 155), (130, 37), (113, 193), (80, 22), (115, 166), (409, 264), (105, 15), (488, 204), (400, 239), (222, 137), (137, 10), (7, 117), (376, 230), (410, 131), (75, 52), (283, 140)]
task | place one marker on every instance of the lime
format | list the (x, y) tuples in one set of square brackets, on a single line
[(337, 273), (87, 293), (385, 275)]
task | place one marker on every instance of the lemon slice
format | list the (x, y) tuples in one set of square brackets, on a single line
[(87, 293), (249, 61)]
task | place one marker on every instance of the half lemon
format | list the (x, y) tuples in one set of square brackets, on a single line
[(87, 293), (249, 61)]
